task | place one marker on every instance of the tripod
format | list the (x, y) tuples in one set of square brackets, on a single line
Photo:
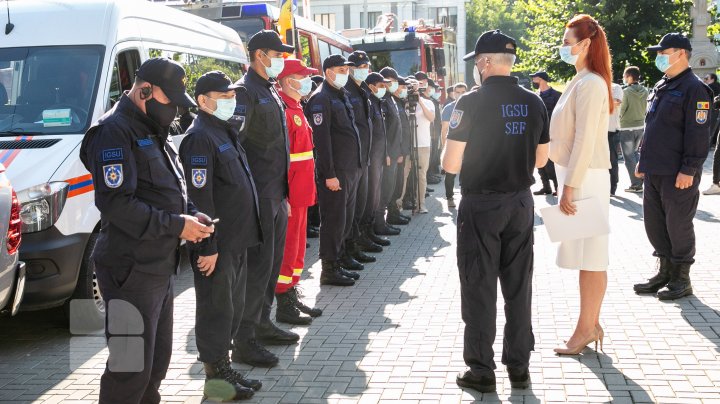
[(414, 158)]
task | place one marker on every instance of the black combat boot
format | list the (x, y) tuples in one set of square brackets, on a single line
[(679, 285), (387, 230), (221, 383), (270, 334), (519, 378), (658, 281), (287, 312), (357, 253), (364, 243), (349, 263), (310, 311), (252, 353), (331, 275), (370, 233), (483, 384)]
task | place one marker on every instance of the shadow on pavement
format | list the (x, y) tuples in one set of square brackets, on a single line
[(616, 382), (701, 317), (628, 205)]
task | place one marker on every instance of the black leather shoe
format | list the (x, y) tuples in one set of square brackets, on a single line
[(288, 313), (330, 275), (363, 258), (391, 227), (270, 334), (543, 191), (381, 241), (364, 243), (222, 384), (659, 280), (348, 262), (312, 232), (387, 231), (679, 285), (519, 378), (254, 354), (483, 384), (429, 190), (395, 220), (349, 274)]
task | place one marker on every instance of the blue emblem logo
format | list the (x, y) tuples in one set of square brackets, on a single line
[(199, 177), (318, 119), (701, 116), (113, 174), (455, 118)]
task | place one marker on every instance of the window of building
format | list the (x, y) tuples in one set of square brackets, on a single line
[(372, 17), (326, 20), (446, 16)]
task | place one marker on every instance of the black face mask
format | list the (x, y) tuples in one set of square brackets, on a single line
[(162, 114), (536, 85)]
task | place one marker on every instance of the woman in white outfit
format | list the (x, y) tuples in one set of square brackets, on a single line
[(579, 148)]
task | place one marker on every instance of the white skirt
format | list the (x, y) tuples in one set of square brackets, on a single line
[(589, 254)]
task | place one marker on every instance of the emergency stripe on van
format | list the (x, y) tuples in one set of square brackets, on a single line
[(80, 185), (8, 156)]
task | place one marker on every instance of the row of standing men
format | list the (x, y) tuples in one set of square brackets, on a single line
[(248, 156)]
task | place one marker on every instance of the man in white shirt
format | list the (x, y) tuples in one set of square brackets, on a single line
[(425, 116)]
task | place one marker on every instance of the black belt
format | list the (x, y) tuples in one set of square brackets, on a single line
[(482, 192)]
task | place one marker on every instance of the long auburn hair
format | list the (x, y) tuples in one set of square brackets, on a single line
[(598, 58)]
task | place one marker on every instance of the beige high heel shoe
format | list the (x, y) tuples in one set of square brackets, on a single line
[(601, 337), (579, 348)]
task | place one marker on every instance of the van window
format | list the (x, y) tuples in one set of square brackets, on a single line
[(324, 49), (245, 27), (305, 49), (196, 65), (123, 75), (48, 89), (335, 50)]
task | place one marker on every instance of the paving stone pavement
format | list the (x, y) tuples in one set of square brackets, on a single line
[(397, 335)]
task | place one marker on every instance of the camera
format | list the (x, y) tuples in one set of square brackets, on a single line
[(413, 96)]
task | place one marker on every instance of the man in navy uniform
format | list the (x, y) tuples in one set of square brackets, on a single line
[(263, 135), (144, 213), (338, 165), (550, 96), (495, 218), (675, 145), (222, 187)]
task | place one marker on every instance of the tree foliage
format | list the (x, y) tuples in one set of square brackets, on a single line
[(631, 26)]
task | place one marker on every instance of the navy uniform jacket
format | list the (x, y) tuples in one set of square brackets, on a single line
[(139, 190), (550, 98), (677, 126), (393, 128), (378, 149), (264, 134), (406, 141), (360, 99), (221, 184), (336, 138)]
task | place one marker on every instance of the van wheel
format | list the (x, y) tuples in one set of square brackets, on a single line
[(85, 317)]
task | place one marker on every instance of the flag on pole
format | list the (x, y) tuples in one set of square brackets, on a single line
[(285, 23)]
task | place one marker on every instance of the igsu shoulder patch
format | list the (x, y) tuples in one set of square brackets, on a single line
[(316, 108), (455, 118), (198, 160), (112, 154), (199, 177), (113, 174)]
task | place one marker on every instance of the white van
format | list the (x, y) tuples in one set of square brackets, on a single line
[(61, 67)]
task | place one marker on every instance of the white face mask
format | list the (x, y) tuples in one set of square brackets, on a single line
[(566, 54), (360, 74), (305, 86), (225, 108), (476, 75), (340, 80), (276, 66), (393, 87), (380, 93)]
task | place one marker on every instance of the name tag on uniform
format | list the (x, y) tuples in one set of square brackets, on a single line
[(145, 142), (224, 147), (112, 154), (262, 101), (198, 160)]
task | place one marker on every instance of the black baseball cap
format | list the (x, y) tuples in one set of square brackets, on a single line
[(359, 58), (336, 61), (169, 75), (389, 73), (421, 76), (401, 81), (672, 40), (374, 78), (214, 81), (542, 75), (433, 84), (493, 42), (268, 39)]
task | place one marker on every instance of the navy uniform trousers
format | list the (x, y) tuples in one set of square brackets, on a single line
[(152, 296), (668, 214), (361, 204), (495, 240), (263, 266), (337, 210), (220, 300)]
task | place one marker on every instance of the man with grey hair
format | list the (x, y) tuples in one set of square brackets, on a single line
[(503, 129)]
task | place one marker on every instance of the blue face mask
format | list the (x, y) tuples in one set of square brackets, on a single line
[(436, 96), (403, 93), (380, 93), (276, 66), (567, 56), (340, 80), (662, 62), (393, 87), (361, 74), (225, 108), (305, 86)]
